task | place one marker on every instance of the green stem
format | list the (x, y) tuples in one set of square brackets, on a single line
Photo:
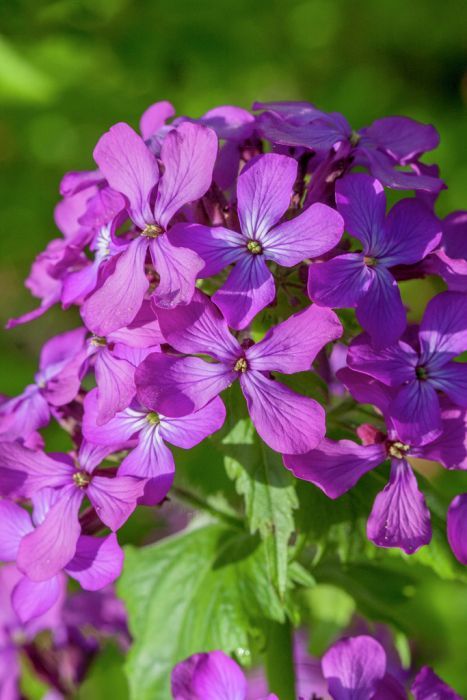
[(279, 661), (195, 501)]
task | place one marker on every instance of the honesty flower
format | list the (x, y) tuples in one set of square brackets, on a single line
[(457, 527), (264, 189), (418, 371), (177, 386), (400, 517), (363, 279)]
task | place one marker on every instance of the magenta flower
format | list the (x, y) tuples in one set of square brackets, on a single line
[(188, 154), (457, 527), (53, 544), (151, 459), (177, 386), (381, 147), (418, 374), (264, 190), (400, 517), (363, 279), (97, 561), (428, 686)]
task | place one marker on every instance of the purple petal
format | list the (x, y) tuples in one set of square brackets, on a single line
[(24, 471), (455, 235), (394, 365), (411, 232), (453, 272), (188, 154), (188, 431), (117, 430), (400, 517), (154, 118), (403, 138), (217, 246), (115, 382), (30, 599), (176, 386), (22, 415), (200, 328), (264, 189), (443, 330), (152, 461), (16, 523), (415, 413), (322, 132), (218, 677), (98, 561), (47, 550), (457, 527), (340, 282), (428, 686), (90, 456), (353, 667), (142, 332), (366, 389), (61, 348), (114, 499), (381, 311), (310, 234), (227, 165), (286, 421), (178, 269), (182, 678), (362, 202), (452, 379), (382, 167), (230, 122), (130, 168), (248, 289), (292, 345), (335, 467), (450, 448), (75, 181), (116, 303)]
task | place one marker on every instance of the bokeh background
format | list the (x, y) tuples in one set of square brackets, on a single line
[(71, 68)]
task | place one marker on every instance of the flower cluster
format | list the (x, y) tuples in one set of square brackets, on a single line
[(205, 251)]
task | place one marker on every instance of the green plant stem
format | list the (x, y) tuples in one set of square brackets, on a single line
[(279, 660)]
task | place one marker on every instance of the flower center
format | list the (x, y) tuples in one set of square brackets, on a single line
[(354, 138), (241, 365), (81, 479), (368, 260), (421, 373), (153, 418), (254, 247), (398, 449), (152, 231), (98, 341)]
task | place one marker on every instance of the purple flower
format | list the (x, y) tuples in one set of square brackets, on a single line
[(382, 147), (53, 544), (151, 459), (188, 154), (400, 517), (428, 686), (457, 527), (418, 374), (96, 562), (363, 279), (263, 192), (177, 386)]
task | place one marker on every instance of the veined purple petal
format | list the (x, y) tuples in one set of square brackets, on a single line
[(403, 138), (292, 345), (47, 550), (248, 289), (176, 386), (22, 415), (382, 166), (457, 527), (230, 122), (115, 382), (428, 686), (411, 232), (189, 430), (98, 561), (217, 246), (450, 448), (151, 461), (130, 168), (116, 303), (451, 378), (400, 517), (455, 234), (264, 189), (16, 523), (443, 330), (188, 154), (380, 310), (90, 455), (178, 269), (362, 202), (452, 271), (117, 430), (353, 667), (24, 471), (182, 678), (415, 413), (217, 677), (309, 235), (286, 421), (393, 365), (366, 389), (200, 328), (142, 332), (154, 118), (335, 467), (340, 282), (114, 499), (321, 132), (60, 348), (30, 599)]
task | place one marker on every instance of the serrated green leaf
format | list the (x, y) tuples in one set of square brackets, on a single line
[(203, 589)]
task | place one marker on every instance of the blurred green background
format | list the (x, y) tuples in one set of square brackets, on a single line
[(71, 68)]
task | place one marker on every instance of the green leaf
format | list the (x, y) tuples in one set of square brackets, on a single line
[(201, 590), (266, 486), (105, 677)]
